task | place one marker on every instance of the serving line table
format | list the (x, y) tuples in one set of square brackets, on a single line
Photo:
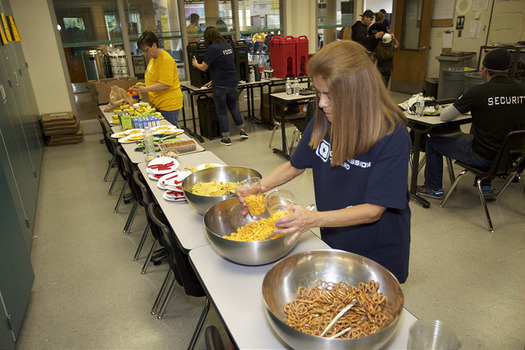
[(138, 157), (187, 224), (281, 100), (236, 291), (424, 125)]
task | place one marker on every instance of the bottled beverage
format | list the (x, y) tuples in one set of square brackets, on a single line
[(420, 105), (149, 146), (288, 86), (296, 86)]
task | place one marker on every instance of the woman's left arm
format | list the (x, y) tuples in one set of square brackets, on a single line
[(302, 219), (151, 88)]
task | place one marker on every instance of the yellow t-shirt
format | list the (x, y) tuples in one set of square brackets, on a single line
[(163, 70)]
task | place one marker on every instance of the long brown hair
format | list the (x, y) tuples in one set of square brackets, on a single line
[(212, 36), (362, 110)]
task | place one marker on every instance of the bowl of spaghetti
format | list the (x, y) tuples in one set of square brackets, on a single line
[(304, 292), (241, 238), (209, 186)]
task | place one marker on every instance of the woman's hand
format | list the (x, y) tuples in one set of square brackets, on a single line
[(301, 220), (138, 88)]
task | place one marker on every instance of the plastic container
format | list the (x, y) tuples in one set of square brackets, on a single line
[(283, 56), (288, 86), (296, 86), (301, 55), (149, 146)]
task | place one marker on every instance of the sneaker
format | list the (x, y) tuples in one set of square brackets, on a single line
[(488, 193), (244, 135), (226, 142), (428, 192)]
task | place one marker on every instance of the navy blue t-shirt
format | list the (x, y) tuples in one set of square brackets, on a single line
[(380, 177), (221, 60)]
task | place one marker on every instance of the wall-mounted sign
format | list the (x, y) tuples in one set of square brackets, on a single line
[(460, 22)]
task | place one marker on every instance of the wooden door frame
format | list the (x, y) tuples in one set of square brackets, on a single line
[(410, 78)]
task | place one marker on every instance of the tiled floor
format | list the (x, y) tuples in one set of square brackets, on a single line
[(89, 293)]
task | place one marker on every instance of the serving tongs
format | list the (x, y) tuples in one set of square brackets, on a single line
[(337, 317)]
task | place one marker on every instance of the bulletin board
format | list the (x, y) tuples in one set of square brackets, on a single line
[(443, 13), (508, 22)]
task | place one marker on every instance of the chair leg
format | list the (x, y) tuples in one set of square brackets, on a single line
[(167, 298), (131, 216), (120, 197), (148, 258), (110, 165), (277, 124), (422, 163), (484, 204), (450, 170), (452, 187), (199, 325), (295, 136), (113, 183), (141, 243), (520, 180), (161, 291)]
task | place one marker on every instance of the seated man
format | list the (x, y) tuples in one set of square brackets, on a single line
[(497, 107)]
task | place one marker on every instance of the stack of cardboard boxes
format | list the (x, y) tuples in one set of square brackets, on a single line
[(61, 128)]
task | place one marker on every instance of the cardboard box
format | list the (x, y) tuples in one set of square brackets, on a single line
[(102, 88)]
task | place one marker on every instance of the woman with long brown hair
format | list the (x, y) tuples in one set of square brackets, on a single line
[(358, 147), (220, 59)]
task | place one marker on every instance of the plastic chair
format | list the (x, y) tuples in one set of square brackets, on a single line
[(509, 163), (113, 144), (125, 171), (300, 125), (281, 116), (145, 199), (180, 269), (106, 132), (213, 339)]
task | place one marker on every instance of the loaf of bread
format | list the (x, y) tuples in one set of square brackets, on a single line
[(181, 146)]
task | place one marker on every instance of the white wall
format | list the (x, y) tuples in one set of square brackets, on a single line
[(376, 5), (300, 19), (43, 55)]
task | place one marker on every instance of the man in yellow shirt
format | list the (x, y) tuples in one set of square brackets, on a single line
[(162, 78)]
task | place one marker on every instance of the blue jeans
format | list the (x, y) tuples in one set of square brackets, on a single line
[(458, 148), (171, 116), (225, 97)]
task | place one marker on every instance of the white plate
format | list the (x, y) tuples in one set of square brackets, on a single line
[(166, 130), (170, 198), (174, 187), (161, 185), (119, 135), (155, 177), (175, 178), (134, 131), (203, 166), (163, 160), (128, 139)]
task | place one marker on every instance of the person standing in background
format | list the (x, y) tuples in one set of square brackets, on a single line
[(375, 28), (161, 78), (360, 30), (220, 59), (193, 28), (385, 56), (386, 22)]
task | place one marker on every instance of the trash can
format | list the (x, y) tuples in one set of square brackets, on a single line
[(208, 120), (431, 87), (453, 83), (472, 79), (452, 60)]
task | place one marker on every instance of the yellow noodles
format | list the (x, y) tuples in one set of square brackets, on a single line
[(255, 204), (317, 306), (213, 189), (257, 230)]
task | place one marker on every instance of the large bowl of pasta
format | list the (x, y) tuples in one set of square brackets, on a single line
[(240, 238), (207, 187), (304, 292)]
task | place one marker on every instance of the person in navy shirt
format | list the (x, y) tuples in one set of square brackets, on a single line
[(358, 147), (220, 59)]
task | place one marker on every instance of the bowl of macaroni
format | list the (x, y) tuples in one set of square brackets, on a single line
[(209, 186), (241, 238)]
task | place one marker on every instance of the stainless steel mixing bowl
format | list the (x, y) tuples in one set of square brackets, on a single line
[(285, 277), (226, 217), (221, 174)]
